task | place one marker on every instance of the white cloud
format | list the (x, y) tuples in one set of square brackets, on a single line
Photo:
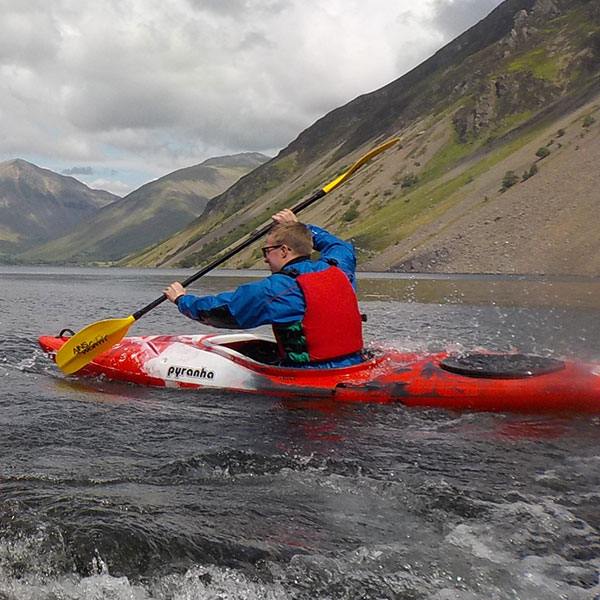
[(120, 188), (143, 87)]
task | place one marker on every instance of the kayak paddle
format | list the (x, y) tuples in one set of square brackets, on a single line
[(94, 339)]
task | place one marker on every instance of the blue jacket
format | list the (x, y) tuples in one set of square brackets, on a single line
[(275, 299)]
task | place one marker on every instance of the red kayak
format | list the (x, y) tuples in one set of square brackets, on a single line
[(245, 362)]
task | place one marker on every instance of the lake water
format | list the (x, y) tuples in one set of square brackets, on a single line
[(112, 491)]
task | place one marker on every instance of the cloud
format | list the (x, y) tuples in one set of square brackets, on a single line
[(78, 171), (145, 86), (114, 186), (451, 16)]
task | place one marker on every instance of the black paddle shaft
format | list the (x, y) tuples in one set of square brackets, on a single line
[(224, 257)]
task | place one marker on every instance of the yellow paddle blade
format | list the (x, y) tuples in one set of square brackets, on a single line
[(359, 163), (91, 341)]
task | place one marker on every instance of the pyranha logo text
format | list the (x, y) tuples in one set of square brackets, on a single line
[(202, 373)]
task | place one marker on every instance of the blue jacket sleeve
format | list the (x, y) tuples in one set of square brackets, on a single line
[(210, 310), (276, 299), (333, 248)]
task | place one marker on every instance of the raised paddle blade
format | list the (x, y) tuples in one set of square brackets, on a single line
[(359, 163), (91, 341)]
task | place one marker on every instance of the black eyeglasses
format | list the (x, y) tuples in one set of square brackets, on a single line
[(267, 249)]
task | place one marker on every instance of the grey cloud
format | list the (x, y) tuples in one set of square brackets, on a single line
[(135, 104), (78, 171), (231, 7), (20, 39), (146, 87), (452, 19), (254, 39), (238, 8)]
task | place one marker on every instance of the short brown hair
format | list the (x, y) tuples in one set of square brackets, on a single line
[(295, 235)]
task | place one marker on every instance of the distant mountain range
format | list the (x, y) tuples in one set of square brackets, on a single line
[(64, 221), (496, 168), (37, 204)]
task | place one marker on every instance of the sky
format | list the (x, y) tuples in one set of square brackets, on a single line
[(120, 92)]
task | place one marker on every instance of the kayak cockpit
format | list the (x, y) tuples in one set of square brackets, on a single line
[(258, 349), (263, 350)]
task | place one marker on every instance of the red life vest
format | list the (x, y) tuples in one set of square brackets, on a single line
[(332, 325)]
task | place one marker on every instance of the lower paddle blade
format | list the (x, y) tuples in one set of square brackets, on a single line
[(91, 341)]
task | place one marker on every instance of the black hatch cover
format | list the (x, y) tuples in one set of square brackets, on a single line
[(501, 366)]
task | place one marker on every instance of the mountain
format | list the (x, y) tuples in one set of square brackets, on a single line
[(37, 204), (494, 171), (147, 215)]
